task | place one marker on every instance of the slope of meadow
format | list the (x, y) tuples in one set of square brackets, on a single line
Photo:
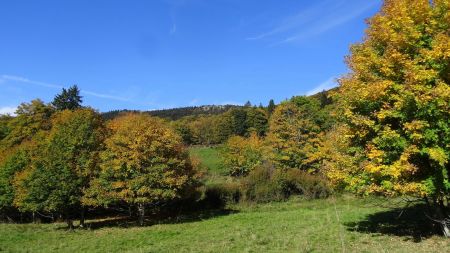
[(345, 224)]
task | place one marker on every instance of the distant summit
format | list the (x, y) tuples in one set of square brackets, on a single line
[(180, 112), (177, 113)]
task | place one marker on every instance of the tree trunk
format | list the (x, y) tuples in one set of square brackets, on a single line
[(446, 230), (82, 219), (69, 223), (141, 212), (443, 218)]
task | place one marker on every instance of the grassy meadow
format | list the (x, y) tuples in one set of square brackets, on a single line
[(211, 161), (209, 157), (344, 224), (336, 224)]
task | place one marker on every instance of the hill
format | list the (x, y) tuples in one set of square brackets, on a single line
[(180, 112), (177, 113)]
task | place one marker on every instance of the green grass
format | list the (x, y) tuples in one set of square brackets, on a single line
[(209, 156), (210, 159), (343, 225)]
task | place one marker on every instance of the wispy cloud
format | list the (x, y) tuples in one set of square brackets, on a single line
[(173, 20), (301, 18), (230, 103), (11, 110), (328, 84), (26, 80), (324, 27), (107, 96), (194, 102), (317, 19), (56, 86), (173, 30)]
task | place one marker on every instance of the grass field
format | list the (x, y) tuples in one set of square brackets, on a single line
[(345, 224), (210, 158), (341, 224)]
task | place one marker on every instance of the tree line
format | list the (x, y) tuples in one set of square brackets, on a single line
[(211, 125), (177, 113), (216, 129), (58, 159)]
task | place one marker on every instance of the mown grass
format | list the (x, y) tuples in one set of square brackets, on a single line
[(345, 224)]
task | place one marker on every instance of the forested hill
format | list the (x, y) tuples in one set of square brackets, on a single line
[(177, 113)]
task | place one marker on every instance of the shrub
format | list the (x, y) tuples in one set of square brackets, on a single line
[(297, 182), (265, 184), (219, 195), (258, 186)]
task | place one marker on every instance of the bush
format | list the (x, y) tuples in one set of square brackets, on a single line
[(265, 184), (297, 182), (258, 186), (219, 195)]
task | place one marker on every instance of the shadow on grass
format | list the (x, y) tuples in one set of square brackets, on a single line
[(409, 222), (127, 222)]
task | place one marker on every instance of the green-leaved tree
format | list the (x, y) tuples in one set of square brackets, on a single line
[(67, 161)]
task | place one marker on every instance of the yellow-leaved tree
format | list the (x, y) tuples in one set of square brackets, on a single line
[(242, 155), (295, 133), (396, 105), (144, 164)]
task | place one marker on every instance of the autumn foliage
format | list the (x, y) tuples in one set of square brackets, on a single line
[(385, 130), (242, 155), (394, 108), (59, 163), (396, 101), (144, 163)]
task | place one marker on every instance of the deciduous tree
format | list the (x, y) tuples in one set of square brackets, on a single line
[(67, 161), (242, 155), (31, 119), (296, 129), (396, 102), (144, 164)]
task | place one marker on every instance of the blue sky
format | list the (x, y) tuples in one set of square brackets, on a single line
[(152, 54)]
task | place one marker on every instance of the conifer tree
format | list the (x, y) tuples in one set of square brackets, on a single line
[(271, 107), (69, 99), (257, 121)]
